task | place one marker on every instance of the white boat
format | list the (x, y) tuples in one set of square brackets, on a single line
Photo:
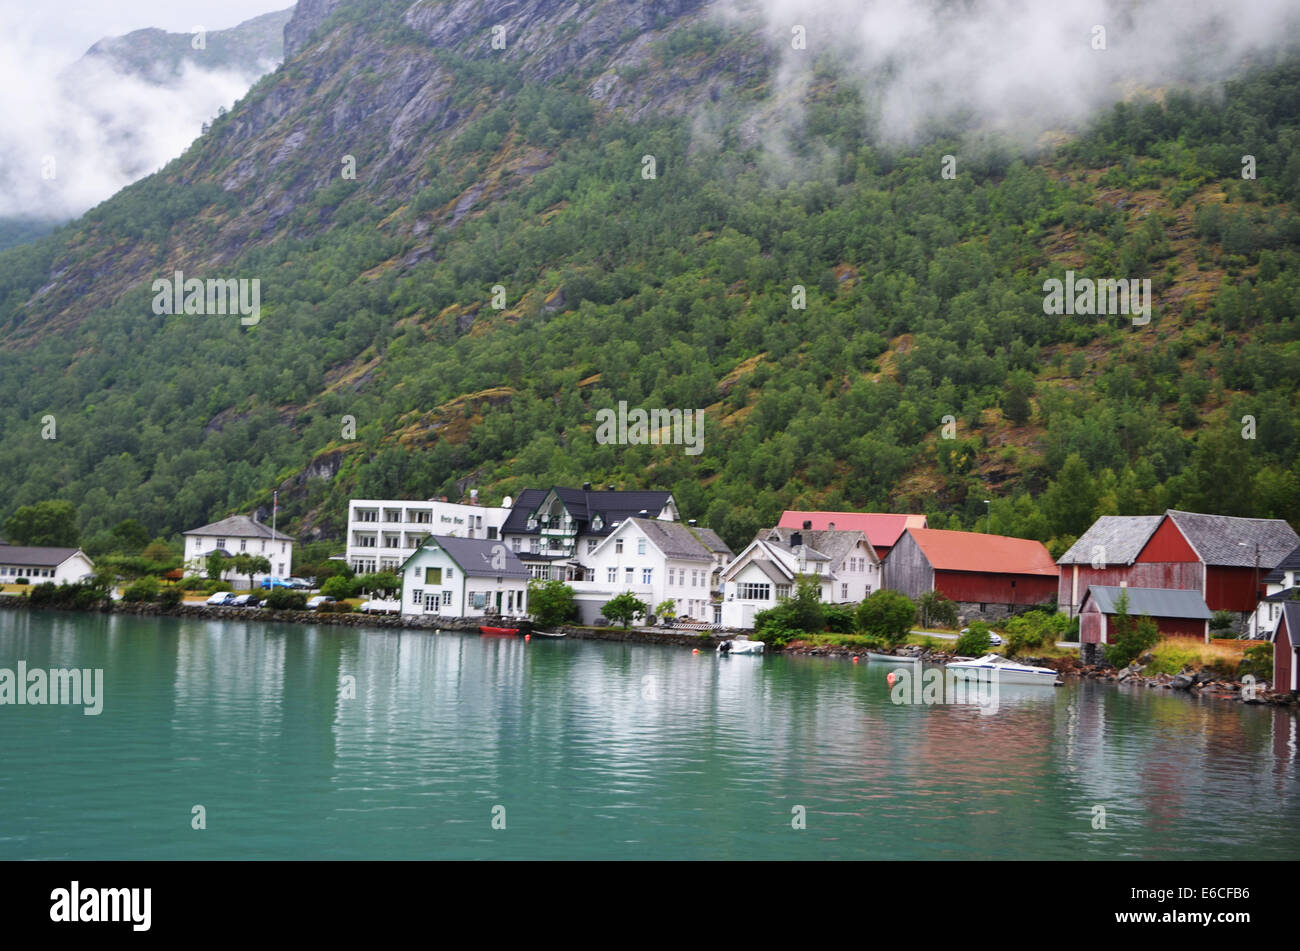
[(891, 658), (548, 633), (1006, 671), (740, 645)]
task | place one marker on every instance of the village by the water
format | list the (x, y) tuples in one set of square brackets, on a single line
[(1184, 601)]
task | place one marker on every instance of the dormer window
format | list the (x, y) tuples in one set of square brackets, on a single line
[(597, 523)]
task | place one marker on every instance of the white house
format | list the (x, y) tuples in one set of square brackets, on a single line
[(1280, 586), (844, 563), (382, 533), (463, 577), (39, 564), (657, 560), (239, 535), (554, 531)]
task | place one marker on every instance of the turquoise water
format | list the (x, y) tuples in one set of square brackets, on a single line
[(587, 749)]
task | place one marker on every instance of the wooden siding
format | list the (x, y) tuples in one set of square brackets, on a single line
[(1183, 575), (906, 568), (1092, 625), (1231, 589), (1167, 544), (1283, 657), (987, 587)]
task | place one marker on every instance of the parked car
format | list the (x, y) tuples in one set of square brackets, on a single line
[(219, 597), (381, 606), (243, 601), (314, 603), (275, 583), (298, 584), (995, 639)]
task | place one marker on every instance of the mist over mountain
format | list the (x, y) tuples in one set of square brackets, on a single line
[(475, 224)]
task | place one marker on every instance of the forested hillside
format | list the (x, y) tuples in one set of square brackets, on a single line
[(924, 297)]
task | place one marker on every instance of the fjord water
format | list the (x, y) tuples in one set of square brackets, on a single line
[(600, 750)]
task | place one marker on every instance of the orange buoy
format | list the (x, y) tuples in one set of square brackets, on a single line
[(527, 638), (855, 658), (695, 650), (891, 678)]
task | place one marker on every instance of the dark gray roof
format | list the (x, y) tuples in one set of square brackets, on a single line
[(1290, 563), (613, 507), (1121, 537), (1291, 612), (475, 555), (35, 556), (711, 540), (781, 538), (239, 526), (1227, 541), (1153, 602), (674, 539)]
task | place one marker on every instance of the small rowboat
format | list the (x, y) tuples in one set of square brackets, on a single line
[(891, 658), (548, 634), (499, 631)]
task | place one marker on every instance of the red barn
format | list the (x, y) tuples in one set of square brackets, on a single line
[(882, 529), (1176, 613), (1286, 642), (1222, 558), (989, 576)]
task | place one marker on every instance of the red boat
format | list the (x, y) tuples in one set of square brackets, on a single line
[(499, 631)]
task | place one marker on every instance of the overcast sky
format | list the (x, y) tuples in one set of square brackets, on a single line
[(70, 27)]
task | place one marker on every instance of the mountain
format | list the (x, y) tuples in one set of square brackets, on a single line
[(649, 190), (119, 112)]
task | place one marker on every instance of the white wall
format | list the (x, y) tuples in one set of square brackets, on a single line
[(399, 527), (460, 588), (278, 552)]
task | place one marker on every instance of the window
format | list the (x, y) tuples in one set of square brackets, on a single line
[(640, 546), (243, 544), (431, 601), (450, 572), (391, 541), (783, 591), (534, 545), (618, 546), (492, 533), (417, 596), (611, 575), (446, 598), (591, 545), (868, 589), (671, 580), (221, 543), (539, 571), (478, 599), (647, 575), (367, 515), (433, 576), (514, 543), (631, 572), (284, 546), (844, 592), (756, 592)]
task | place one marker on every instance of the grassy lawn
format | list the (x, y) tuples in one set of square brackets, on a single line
[(15, 588), (1172, 654)]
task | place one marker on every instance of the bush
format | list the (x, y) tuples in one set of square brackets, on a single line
[(195, 583), (283, 599), (840, 618), (1258, 662), (624, 608), (338, 587), (146, 589), (1132, 640), (887, 615), (334, 607), (975, 642), (212, 586), (551, 603), (937, 610), (1034, 629), (43, 594), (29, 581), (1223, 622), (170, 596)]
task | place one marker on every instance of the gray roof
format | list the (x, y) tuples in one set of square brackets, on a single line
[(1291, 612), (711, 540), (1121, 537), (780, 538), (1290, 563), (35, 556), (475, 556), (239, 526), (826, 545), (674, 539), (1226, 541), (1153, 602)]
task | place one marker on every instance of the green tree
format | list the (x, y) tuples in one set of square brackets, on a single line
[(1070, 500), (130, 537), (215, 565), (937, 610), (976, 640), (625, 608), (888, 615), (339, 588), (805, 609), (1016, 395), (1129, 637), (52, 523), (551, 602)]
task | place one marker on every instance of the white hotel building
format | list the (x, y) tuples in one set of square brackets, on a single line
[(382, 534)]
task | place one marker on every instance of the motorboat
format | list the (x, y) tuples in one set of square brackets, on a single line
[(891, 658), (498, 631), (740, 645), (995, 666)]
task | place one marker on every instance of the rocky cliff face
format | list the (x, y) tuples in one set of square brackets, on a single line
[(307, 17)]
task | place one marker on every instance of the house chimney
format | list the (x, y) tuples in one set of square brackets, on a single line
[(796, 539), (807, 525), (610, 487), (832, 526), (691, 522), (473, 496), (586, 487), (642, 514)]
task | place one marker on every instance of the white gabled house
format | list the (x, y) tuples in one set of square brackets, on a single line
[(657, 560), (39, 563), (1280, 586), (844, 563), (464, 577), (239, 535)]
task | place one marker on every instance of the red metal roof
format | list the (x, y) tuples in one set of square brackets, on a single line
[(971, 551), (882, 529)]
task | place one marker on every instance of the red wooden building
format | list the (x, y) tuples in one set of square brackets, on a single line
[(882, 529), (1222, 558), (1176, 613), (987, 575), (1286, 642)]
